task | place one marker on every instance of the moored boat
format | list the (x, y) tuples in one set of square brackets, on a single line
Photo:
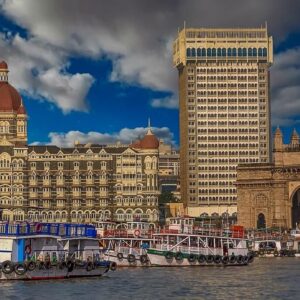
[(181, 244), (48, 251), (127, 243)]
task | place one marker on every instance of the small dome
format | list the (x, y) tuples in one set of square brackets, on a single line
[(3, 65), (149, 141)]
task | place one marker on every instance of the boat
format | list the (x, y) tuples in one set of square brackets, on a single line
[(36, 251), (183, 244), (126, 243)]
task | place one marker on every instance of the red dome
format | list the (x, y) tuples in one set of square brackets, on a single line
[(10, 99), (149, 141), (3, 65)]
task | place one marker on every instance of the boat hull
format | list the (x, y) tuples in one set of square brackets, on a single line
[(55, 273), (158, 259)]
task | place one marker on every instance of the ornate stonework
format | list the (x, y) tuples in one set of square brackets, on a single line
[(269, 192)]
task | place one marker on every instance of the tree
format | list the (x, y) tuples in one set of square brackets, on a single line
[(166, 197)]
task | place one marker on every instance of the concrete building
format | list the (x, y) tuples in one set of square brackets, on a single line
[(85, 183), (168, 169), (224, 112), (269, 193)]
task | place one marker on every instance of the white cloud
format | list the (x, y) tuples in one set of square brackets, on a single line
[(138, 35), (166, 102), (285, 75), (125, 136), (39, 70)]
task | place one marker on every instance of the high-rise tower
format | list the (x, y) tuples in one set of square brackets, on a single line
[(224, 111)]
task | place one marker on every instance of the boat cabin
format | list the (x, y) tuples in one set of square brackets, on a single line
[(181, 224), (105, 227), (37, 241)]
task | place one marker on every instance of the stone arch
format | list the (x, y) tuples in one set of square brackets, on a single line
[(261, 221), (295, 207)]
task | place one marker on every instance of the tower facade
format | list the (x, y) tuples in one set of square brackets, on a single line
[(224, 112)]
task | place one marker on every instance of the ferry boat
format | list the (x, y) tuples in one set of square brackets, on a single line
[(183, 244), (50, 251), (126, 244)]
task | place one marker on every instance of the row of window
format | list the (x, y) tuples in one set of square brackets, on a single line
[(229, 52)]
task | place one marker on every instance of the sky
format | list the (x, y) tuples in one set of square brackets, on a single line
[(95, 71)]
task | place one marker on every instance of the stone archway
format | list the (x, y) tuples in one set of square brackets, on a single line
[(296, 208), (261, 221)]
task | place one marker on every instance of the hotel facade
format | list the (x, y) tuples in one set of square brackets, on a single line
[(84, 183), (224, 107)]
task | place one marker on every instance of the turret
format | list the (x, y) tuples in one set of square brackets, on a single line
[(294, 139), (278, 147)]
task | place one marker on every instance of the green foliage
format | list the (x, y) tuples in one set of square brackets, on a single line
[(166, 197)]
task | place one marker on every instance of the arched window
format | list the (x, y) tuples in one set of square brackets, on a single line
[(264, 51), (193, 52), (203, 52), (219, 52), (229, 52), (260, 52), (188, 52), (208, 52), (254, 52), (199, 52), (233, 51), (250, 52), (223, 51), (214, 52), (240, 52), (244, 52)]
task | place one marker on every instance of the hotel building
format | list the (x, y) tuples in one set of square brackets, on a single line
[(84, 183), (224, 112)]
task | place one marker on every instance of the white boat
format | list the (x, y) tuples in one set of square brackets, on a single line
[(50, 251), (126, 244), (181, 244)]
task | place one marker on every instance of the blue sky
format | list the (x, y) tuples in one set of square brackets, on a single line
[(95, 71)]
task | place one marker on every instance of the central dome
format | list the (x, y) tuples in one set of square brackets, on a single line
[(10, 99)]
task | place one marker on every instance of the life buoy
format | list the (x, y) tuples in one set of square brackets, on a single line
[(240, 259), (192, 258), (232, 259), (225, 259), (131, 258), (201, 259), (7, 267), (217, 259), (169, 255), (20, 268), (28, 249), (210, 259), (143, 259), (113, 266), (137, 233), (38, 227), (120, 256), (31, 265), (179, 256)]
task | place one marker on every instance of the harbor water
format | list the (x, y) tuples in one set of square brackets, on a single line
[(266, 278)]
